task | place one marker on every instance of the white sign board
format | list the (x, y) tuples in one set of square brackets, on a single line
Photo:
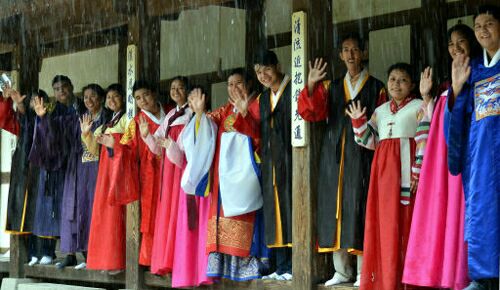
[(131, 76), (299, 76)]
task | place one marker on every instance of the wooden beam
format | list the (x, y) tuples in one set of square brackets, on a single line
[(71, 274), (161, 7), (166, 282), (16, 7), (66, 29)]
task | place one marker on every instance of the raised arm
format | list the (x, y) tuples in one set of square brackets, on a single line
[(424, 118), (87, 136), (313, 99), (8, 120), (365, 132)]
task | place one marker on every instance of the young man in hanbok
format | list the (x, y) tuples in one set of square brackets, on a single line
[(140, 167), (344, 167), (472, 121), (269, 119), (46, 152), (391, 132)]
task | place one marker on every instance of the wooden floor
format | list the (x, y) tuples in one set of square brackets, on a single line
[(50, 272), (161, 281), (70, 274)]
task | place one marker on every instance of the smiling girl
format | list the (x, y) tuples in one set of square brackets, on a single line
[(391, 133)]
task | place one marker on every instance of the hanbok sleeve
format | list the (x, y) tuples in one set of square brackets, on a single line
[(217, 115), (250, 124), (314, 108), (125, 167), (8, 119), (50, 147), (151, 139), (175, 153), (366, 132), (90, 141), (424, 118), (456, 125)]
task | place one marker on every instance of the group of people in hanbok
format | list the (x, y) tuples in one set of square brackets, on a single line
[(408, 181)]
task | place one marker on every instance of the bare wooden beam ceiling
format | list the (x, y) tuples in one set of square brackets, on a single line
[(168, 7)]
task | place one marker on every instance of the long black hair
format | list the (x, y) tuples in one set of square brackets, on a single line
[(109, 121)]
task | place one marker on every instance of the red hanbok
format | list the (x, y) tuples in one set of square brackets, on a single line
[(142, 170), (391, 132), (228, 235), (106, 248), (170, 174)]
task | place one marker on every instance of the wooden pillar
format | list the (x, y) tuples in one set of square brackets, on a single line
[(144, 33), (306, 261), (255, 36), (429, 40), (134, 275), (26, 60)]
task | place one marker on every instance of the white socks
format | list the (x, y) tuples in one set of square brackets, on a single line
[(46, 260)]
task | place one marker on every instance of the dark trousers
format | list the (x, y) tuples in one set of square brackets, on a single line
[(283, 260), (47, 247)]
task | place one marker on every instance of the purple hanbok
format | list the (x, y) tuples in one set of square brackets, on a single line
[(79, 179)]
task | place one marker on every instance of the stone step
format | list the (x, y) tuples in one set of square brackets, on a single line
[(12, 283), (52, 286)]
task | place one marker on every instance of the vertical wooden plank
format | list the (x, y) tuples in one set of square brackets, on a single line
[(18, 255)]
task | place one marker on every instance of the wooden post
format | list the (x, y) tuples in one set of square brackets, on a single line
[(303, 202), (143, 56), (306, 273), (134, 275), (255, 37), (18, 255), (429, 37), (26, 60)]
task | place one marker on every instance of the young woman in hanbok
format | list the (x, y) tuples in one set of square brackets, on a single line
[(141, 167), (193, 152), (236, 194), (436, 255), (472, 122), (158, 141), (391, 133), (106, 246)]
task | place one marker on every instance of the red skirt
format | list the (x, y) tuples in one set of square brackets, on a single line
[(106, 250), (388, 221)]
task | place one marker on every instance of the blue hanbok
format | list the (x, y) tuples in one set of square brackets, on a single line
[(472, 129)]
